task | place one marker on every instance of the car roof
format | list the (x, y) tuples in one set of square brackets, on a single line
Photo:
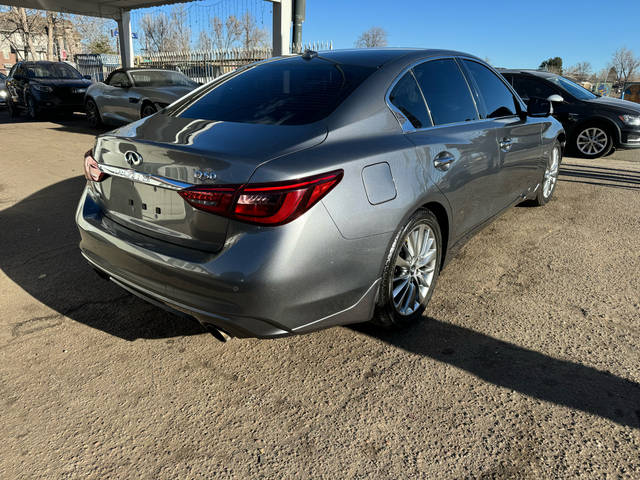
[(376, 57), (536, 73)]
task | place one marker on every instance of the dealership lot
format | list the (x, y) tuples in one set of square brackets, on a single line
[(526, 367)]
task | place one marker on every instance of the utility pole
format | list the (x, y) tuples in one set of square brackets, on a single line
[(299, 7)]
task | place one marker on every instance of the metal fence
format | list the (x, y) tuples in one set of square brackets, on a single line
[(99, 66), (200, 66)]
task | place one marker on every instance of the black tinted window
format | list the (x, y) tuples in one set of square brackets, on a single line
[(119, 79), (407, 98), (446, 92), (528, 87), (497, 99), (284, 92), (52, 70)]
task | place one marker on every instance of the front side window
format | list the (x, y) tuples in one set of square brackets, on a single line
[(119, 79), (293, 91), (496, 98), (407, 98), (445, 91)]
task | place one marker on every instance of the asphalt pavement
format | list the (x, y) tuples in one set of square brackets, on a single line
[(525, 366)]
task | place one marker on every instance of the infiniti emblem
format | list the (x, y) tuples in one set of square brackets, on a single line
[(133, 158)]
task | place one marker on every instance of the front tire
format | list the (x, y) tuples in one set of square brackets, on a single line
[(32, 107), (410, 273), (550, 176), (593, 141), (12, 108)]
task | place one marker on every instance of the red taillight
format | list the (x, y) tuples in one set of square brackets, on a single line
[(92, 171), (266, 204)]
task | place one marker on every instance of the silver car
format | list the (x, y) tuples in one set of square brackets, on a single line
[(4, 93), (129, 94), (317, 190)]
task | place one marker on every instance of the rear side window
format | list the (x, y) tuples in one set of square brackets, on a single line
[(531, 87), (407, 98), (446, 92), (293, 91), (496, 98)]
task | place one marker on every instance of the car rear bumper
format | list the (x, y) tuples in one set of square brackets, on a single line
[(265, 282)]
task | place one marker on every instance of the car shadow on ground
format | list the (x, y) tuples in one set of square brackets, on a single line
[(534, 374), (76, 123), (595, 175), (39, 245)]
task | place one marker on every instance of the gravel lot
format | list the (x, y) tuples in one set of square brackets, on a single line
[(526, 367)]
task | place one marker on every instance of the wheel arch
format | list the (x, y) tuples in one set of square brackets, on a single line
[(443, 220), (604, 121)]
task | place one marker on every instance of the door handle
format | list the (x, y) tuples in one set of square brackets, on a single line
[(505, 144), (443, 160)]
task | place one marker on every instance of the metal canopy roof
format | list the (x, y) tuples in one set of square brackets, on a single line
[(92, 8)]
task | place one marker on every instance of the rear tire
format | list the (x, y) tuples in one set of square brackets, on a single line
[(148, 109), (550, 176), (410, 272), (93, 113)]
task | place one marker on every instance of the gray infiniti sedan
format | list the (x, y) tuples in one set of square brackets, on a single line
[(323, 189), (129, 94)]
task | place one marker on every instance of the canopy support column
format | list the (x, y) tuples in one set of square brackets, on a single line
[(126, 43)]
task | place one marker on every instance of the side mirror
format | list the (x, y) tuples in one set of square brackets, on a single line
[(555, 98), (87, 77), (539, 107)]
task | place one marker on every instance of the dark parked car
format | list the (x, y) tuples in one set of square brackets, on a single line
[(3, 89), (129, 94), (594, 124), (304, 192), (41, 86)]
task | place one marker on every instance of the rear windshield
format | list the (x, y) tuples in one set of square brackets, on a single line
[(293, 91)]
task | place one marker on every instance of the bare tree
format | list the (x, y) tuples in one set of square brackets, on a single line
[(23, 24), (204, 41), (374, 37), (251, 36), (181, 33), (581, 71), (157, 32), (625, 64), (94, 34)]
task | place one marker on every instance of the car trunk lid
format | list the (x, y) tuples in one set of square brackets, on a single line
[(149, 160)]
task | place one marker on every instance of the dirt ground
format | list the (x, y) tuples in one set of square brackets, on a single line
[(526, 367)]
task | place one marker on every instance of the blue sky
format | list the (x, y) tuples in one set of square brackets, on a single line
[(510, 33)]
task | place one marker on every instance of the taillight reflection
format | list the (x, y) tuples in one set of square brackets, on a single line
[(91, 169), (266, 204)]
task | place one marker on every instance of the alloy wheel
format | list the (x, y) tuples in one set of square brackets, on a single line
[(592, 141), (551, 173), (414, 269)]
